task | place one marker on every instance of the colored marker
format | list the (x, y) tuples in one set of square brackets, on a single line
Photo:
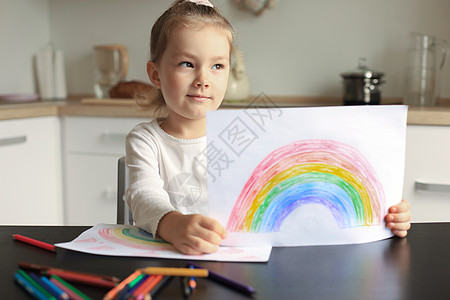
[(127, 292), (185, 289), (36, 282), (41, 268), (81, 278), (34, 242), (53, 289), (175, 272), (114, 291), (147, 286), (30, 288), (160, 286), (243, 288), (72, 294), (192, 282), (71, 287)]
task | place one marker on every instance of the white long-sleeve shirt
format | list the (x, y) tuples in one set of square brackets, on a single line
[(165, 174)]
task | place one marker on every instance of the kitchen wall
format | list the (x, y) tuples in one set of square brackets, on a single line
[(298, 48), (24, 28)]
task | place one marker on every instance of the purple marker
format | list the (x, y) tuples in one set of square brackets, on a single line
[(246, 289)]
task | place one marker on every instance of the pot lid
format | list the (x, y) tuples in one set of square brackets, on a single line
[(362, 71)]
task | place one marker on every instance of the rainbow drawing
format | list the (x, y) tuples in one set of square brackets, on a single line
[(316, 171), (131, 241), (133, 237)]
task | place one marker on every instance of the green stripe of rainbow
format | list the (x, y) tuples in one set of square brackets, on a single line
[(311, 171)]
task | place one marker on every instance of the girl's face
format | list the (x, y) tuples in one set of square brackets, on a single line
[(193, 71)]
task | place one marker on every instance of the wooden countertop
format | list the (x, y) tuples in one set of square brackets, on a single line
[(436, 115), (72, 107)]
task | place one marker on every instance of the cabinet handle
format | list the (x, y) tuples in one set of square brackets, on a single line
[(114, 136), (110, 193), (13, 140), (432, 187)]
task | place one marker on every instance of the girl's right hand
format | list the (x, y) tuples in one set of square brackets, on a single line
[(191, 234)]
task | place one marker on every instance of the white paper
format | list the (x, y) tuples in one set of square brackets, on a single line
[(60, 75), (305, 176), (131, 241), (51, 75), (45, 73)]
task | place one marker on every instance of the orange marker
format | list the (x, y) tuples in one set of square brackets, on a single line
[(113, 292), (147, 286)]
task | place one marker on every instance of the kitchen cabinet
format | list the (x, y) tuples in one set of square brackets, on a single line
[(30, 171), (91, 149), (427, 173)]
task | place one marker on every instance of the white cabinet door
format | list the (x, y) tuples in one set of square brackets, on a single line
[(30, 171), (98, 135), (91, 189), (92, 147), (428, 161)]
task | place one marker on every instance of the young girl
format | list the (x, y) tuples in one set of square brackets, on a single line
[(190, 49)]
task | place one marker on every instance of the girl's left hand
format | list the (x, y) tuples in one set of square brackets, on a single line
[(398, 218)]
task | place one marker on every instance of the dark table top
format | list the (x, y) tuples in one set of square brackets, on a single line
[(416, 267)]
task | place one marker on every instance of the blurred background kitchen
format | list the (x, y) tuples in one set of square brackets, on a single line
[(59, 158), (296, 48)]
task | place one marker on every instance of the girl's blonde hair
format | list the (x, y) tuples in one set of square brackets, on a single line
[(180, 13)]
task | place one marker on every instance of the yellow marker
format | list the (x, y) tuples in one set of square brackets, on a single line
[(185, 272)]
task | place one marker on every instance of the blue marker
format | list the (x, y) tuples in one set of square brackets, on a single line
[(41, 286), (30, 288), (53, 289), (192, 281)]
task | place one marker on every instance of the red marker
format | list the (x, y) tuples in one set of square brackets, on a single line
[(34, 242), (81, 278)]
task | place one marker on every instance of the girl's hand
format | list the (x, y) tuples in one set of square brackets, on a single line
[(191, 234), (398, 218)]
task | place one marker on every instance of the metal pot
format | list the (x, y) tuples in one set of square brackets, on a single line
[(362, 86)]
